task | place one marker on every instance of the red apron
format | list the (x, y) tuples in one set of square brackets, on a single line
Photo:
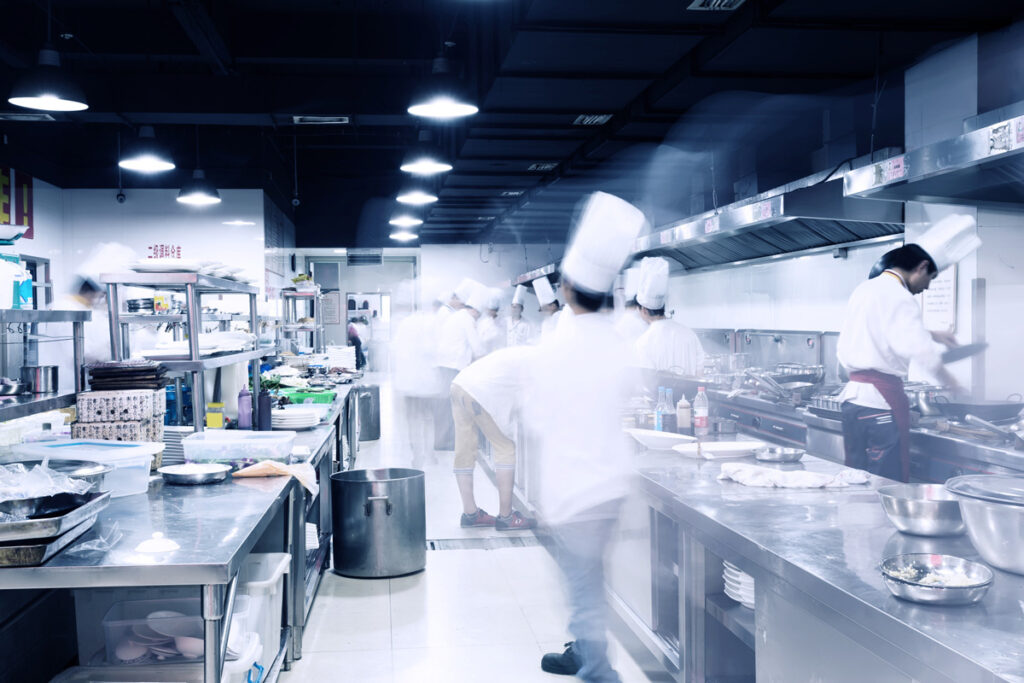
[(891, 389)]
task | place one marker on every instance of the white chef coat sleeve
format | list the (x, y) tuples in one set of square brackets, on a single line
[(908, 337), (474, 341), (642, 356)]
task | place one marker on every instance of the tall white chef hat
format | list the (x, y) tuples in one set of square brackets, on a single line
[(465, 289), (493, 298), (950, 240), (630, 282), (520, 295), (604, 237), (480, 299), (545, 294), (653, 283)]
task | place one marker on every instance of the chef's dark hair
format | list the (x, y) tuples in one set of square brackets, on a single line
[(631, 303), (906, 257), (590, 301), (654, 312)]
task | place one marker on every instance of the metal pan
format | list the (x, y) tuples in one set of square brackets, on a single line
[(44, 506), (53, 526), (960, 352), (32, 554), (993, 411)]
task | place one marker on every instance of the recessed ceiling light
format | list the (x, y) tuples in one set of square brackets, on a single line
[(543, 166), (417, 198), (340, 251), (405, 221), (25, 117), (592, 119), (512, 193), (238, 222), (403, 236)]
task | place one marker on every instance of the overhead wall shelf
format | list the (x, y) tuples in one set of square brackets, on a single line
[(983, 166), (543, 271), (178, 281)]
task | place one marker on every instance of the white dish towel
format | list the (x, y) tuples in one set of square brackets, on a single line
[(755, 475)]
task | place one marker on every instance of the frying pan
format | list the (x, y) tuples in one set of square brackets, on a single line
[(960, 352), (993, 411)]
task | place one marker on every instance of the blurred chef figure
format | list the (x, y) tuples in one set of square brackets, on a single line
[(518, 330), (578, 385), (667, 345), (487, 327), (631, 324), (882, 333), (415, 376), (458, 345), (549, 307)]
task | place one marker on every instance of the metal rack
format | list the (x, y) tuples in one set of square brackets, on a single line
[(29, 404), (194, 286), (291, 315)]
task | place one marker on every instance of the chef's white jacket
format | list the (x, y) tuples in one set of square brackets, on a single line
[(490, 334), (518, 332), (631, 325), (414, 349), (458, 343), (549, 325), (497, 381), (670, 346), (578, 384), (883, 330)]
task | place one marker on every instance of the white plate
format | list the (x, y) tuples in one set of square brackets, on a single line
[(746, 602), (658, 441), (713, 450), (174, 624), (740, 589), (741, 579), (166, 265)]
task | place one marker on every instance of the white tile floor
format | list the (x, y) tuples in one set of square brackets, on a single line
[(471, 616)]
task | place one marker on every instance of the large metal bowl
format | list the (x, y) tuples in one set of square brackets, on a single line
[(194, 474), (906, 577), (995, 527), (922, 509), (779, 454)]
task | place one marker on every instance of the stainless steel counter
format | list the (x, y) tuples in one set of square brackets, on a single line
[(813, 554)]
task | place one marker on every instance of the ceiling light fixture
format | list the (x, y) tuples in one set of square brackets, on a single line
[(425, 160), (238, 222), (441, 97), (405, 221), (403, 235), (47, 87), (199, 191), (145, 154), (416, 198)]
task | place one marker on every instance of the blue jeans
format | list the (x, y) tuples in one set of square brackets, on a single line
[(581, 550)]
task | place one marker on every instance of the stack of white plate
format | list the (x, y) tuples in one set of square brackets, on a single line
[(174, 452), (295, 417), (739, 586)]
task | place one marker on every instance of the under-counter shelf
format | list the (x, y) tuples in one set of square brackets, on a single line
[(739, 620), (13, 407)]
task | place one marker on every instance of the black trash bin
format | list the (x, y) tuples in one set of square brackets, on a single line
[(380, 527), (369, 412)]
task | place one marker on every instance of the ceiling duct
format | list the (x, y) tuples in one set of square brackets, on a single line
[(983, 166), (807, 214), (364, 257), (714, 5)]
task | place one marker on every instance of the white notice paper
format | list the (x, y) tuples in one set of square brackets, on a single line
[(938, 302), (332, 308)]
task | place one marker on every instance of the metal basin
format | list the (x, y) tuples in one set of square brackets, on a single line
[(907, 577), (779, 454), (922, 509), (995, 527)]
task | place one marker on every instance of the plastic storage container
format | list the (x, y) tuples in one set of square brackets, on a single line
[(126, 619), (238, 448), (262, 579), (131, 460)]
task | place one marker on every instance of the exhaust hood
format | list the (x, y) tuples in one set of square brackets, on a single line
[(550, 271), (807, 214), (983, 166)]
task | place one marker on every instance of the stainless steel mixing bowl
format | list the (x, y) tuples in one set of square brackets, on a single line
[(895, 570), (779, 454), (922, 509), (994, 520)]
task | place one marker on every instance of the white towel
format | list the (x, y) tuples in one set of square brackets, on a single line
[(755, 475)]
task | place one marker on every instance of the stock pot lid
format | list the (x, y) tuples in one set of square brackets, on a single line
[(997, 488)]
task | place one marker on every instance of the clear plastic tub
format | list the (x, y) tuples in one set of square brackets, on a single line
[(238, 448), (262, 579), (131, 460), (126, 620)]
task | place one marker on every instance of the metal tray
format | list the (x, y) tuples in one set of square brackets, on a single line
[(54, 526), (33, 554)]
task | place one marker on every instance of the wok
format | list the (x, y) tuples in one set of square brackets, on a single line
[(993, 411)]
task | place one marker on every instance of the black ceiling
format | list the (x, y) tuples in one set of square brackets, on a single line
[(240, 69)]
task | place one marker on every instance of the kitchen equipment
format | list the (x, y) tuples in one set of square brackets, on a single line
[(719, 449), (194, 473), (798, 372), (237, 447), (922, 509), (43, 506), (1016, 438), (995, 411), (658, 441), (93, 472), (10, 387), (723, 426), (992, 506), (53, 526), (936, 579), (779, 454), (382, 517), (960, 352), (40, 379), (131, 460), (32, 553), (787, 391)]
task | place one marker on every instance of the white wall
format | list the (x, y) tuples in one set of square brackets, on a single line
[(998, 262)]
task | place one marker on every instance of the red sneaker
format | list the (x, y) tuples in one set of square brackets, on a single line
[(514, 522), (478, 518)]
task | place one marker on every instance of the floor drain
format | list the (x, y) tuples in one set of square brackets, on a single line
[(482, 543)]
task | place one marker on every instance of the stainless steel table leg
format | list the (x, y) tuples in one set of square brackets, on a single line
[(295, 583), (213, 625)]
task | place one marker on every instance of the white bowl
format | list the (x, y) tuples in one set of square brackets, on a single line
[(189, 647), (174, 624)]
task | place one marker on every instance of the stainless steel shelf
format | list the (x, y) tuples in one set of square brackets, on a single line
[(33, 316), (24, 405), (215, 361), (735, 617), (143, 318), (178, 281), (300, 295)]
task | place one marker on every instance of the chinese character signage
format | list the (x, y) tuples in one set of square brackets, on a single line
[(16, 200), (163, 251)]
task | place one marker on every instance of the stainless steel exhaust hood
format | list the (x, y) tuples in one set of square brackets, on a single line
[(807, 214), (550, 271), (983, 166)]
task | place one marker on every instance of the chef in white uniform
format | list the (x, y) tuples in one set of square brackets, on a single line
[(667, 345), (487, 327), (518, 330), (458, 344), (415, 377), (578, 385), (549, 307), (631, 324), (882, 333)]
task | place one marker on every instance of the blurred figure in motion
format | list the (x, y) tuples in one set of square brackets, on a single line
[(631, 324), (667, 345), (458, 344), (579, 381), (485, 396), (487, 326), (355, 340), (518, 330), (415, 377), (549, 308)]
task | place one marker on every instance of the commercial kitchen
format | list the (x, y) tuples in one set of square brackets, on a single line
[(329, 341)]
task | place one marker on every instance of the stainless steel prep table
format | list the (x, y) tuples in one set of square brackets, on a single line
[(215, 528), (822, 611)]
